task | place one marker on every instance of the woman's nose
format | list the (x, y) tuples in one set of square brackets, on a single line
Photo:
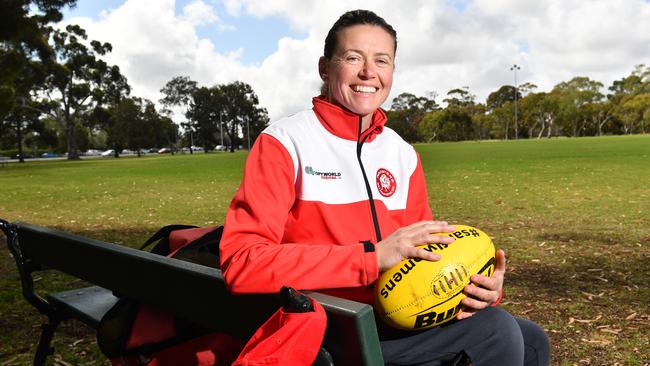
[(368, 71)]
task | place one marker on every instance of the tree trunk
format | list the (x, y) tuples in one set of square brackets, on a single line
[(73, 154), (600, 125), (231, 134), (19, 140), (71, 141)]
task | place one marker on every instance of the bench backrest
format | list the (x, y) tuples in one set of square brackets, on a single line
[(192, 291)]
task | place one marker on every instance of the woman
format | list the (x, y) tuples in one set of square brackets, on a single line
[(331, 198)]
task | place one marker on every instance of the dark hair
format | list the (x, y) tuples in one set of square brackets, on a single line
[(352, 18)]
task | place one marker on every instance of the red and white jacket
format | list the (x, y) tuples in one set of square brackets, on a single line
[(315, 195)]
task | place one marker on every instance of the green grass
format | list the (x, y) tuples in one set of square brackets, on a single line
[(106, 196), (573, 215)]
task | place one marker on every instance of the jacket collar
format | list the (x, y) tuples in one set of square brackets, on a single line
[(345, 124)]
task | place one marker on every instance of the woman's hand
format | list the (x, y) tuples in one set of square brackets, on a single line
[(484, 291), (402, 243)]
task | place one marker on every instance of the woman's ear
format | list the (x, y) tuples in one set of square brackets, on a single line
[(322, 68)]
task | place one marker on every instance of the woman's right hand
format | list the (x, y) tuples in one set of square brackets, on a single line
[(402, 244)]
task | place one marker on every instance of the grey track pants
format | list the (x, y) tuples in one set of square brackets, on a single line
[(492, 337)]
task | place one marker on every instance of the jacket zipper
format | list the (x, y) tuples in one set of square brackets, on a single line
[(373, 210)]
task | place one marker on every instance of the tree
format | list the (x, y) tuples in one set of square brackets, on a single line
[(539, 114), (180, 92), (449, 124), (597, 115), (23, 117), (635, 83), (256, 124), (204, 115), (24, 29), (634, 112), (143, 125), (572, 96), (22, 120), (630, 101), (75, 78), (405, 123), (109, 95), (499, 97), (406, 101), (210, 111), (118, 119), (239, 106), (460, 97), (407, 111), (431, 128), (457, 117)]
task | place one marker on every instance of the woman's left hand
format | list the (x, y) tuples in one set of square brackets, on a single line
[(484, 291)]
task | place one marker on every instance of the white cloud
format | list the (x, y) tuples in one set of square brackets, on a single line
[(199, 13), (442, 44)]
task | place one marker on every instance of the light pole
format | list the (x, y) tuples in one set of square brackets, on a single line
[(515, 68), (191, 139), (221, 129)]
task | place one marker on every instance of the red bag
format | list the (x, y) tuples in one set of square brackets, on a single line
[(131, 333), (209, 350), (291, 337), (136, 334)]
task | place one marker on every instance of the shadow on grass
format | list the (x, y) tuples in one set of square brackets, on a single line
[(130, 236), (585, 262), (591, 294)]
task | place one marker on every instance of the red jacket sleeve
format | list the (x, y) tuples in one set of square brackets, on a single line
[(253, 257)]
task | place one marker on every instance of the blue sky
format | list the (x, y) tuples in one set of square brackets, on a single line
[(257, 36)]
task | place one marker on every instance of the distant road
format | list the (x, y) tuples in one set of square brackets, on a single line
[(50, 159)]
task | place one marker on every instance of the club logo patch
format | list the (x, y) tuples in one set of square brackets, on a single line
[(386, 182)]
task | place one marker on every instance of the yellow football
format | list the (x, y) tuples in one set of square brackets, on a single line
[(418, 294)]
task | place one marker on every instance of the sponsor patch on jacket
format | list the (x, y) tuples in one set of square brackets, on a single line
[(323, 175), (386, 182)]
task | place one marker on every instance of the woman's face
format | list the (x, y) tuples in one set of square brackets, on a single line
[(360, 73)]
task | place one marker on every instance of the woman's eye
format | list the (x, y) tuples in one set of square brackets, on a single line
[(353, 59), (383, 62)]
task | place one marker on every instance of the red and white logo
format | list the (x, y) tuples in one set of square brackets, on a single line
[(386, 182)]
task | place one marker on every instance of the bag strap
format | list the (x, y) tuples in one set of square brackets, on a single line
[(164, 233)]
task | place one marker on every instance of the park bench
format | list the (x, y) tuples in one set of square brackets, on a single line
[(191, 291)]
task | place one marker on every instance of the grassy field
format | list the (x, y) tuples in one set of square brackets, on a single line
[(572, 214)]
